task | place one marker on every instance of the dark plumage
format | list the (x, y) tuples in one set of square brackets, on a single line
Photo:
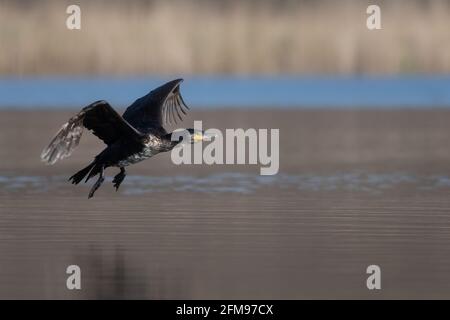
[(136, 135)]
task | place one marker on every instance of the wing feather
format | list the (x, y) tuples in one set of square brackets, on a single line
[(100, 118), (172, 107), (64, 142), (163, 105), (178, 113)]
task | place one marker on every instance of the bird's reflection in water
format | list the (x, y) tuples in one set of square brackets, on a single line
[(116, 273)]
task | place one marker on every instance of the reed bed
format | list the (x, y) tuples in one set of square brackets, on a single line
[(217, 37)]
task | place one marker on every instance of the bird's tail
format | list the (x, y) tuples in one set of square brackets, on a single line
[(77, 177), (65, 140)]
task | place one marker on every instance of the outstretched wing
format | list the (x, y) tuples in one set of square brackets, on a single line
[(99, 117), (106, 123), (164, 105)]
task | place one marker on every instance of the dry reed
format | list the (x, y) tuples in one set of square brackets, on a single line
[(198, 37)]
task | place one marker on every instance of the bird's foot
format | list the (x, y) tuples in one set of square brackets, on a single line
[(97, 185), (118, 179)]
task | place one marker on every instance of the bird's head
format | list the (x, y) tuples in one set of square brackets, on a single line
[(198, 136)]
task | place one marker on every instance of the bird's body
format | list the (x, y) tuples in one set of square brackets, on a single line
[(135, 136), (151, 147)]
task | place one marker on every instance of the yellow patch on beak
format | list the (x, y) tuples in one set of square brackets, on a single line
[(197, 137)]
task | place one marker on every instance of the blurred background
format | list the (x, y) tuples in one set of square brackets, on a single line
[(284, 52), (364, 150), (225, 37)]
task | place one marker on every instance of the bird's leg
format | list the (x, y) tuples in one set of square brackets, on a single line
[(119, 178), (98, 183)]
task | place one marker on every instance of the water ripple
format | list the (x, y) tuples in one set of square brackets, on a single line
[(242, 183)]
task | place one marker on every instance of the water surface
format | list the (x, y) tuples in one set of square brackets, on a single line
[(213, 92), (355, 188)]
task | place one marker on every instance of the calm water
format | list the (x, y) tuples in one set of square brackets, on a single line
[(213, 92), (228, 236), (355, 188)]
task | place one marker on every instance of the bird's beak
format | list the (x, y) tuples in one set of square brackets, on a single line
[(198, 137)]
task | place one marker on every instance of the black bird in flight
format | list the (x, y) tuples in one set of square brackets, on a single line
[(135, 136)]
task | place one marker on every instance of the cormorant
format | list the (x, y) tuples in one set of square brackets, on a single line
[(136, 135)]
